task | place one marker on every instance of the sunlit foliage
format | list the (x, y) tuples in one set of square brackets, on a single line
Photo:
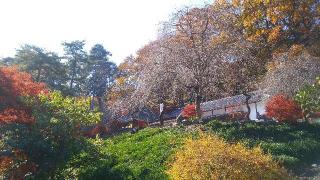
[(209, 157)]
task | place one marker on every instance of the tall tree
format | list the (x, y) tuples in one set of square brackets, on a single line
[(77, 63), (291, 71), (280, 23), (7, 61), (204, 42), (44, 66), (102, 76)]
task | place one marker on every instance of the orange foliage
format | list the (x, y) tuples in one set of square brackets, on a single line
[(5, 163), (189, 111), (97, 129), (13, 85), (17, 172), (282, 108)]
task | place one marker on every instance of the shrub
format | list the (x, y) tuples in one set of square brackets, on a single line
[(189, 111), (98, 129), (116, 125), (55, 134), (211, 158), (236, 116), (139, 124), (309, 98), (282, 108)]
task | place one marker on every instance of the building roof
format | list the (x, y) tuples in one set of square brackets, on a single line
[(231, 101)]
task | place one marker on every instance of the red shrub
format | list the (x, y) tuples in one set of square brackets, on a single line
[(13, 85), (139, 124), (97, 129), (236, 116), (282, 108), (189, 111), (116, 125)]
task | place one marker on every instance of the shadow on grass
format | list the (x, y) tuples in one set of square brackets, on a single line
[(296, 146)]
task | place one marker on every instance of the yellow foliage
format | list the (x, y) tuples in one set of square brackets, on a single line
[(211, 158)]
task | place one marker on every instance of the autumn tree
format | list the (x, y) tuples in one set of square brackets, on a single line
[(195, 47), (291, 71), (102, 76), (277, 25), (39, 129), (121, 98), (15, 85), (77, 65)]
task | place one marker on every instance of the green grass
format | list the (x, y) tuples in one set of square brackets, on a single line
[(128, 156), (294, 145), (145, 155)]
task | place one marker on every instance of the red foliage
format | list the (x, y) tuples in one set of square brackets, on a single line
[(139, 124), (97, 129), (282, 108), (17, 172), (236, 116), (115, 125), (5, 163), (13, 85), (189, 111)]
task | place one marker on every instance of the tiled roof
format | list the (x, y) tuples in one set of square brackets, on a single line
[(256, 96)]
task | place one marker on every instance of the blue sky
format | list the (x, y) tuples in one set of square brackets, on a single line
[(122, 26)]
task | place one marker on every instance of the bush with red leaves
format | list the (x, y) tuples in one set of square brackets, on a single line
[(139, 124), (283, 109), (13, 86), (115, 125), (189, 111)]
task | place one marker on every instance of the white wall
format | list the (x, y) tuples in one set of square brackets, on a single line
[(252, 116)]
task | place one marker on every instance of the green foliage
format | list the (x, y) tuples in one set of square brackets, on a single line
[(90, 163), (77, 66), (295, 145), (309, 98), (66, 109), (44, 66), (55, 135), (129, 156)]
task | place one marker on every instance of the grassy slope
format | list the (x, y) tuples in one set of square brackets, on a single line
[(144, 155), (128, 156), (295, 146)]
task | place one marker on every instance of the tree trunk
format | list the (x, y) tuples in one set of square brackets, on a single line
[(198, 109), (73, 74), (181, 102), (103, 109), (161, 118), (248, 97), (38, 75)]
